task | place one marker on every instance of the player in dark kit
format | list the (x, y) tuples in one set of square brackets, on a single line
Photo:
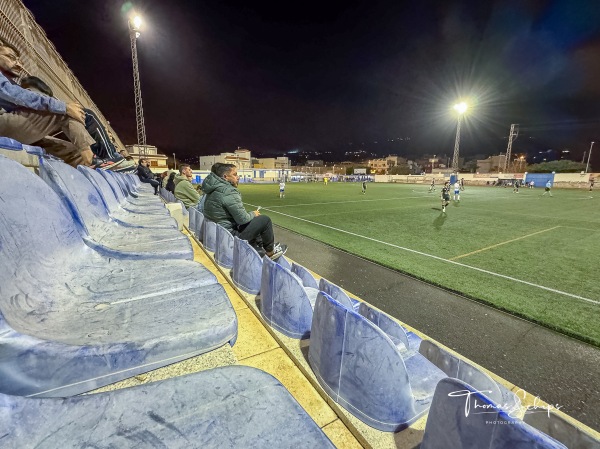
[(364, 187), (445, 195), (432, 186)]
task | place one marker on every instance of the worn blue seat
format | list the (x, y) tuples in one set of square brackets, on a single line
[(247, 266), (11, 144), (157, 220), (209, 235), (129, 203), (462, 418), (407, 342), (233, 406), (285, 303), (72, 319), (192, 212), (337, 293), (308, 280), (99, 230), (360, 367), (224, 249), (198, 224), (461, 369), (560, 429)]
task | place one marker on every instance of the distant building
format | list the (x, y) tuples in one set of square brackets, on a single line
[(241, 157), (277, 163), (158, 162), (384, 164), (491, 164)]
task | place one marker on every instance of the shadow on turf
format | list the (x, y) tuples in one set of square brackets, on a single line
[(440, 219)]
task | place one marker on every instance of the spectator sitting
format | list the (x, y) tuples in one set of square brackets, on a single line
[(29, 116), (184, 190), (106, 155), (171, 183), (223, 205), (146, 175)]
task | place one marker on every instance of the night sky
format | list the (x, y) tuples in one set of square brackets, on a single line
[(340, 76)]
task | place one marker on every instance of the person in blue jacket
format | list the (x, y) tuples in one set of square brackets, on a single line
[(29, 116)]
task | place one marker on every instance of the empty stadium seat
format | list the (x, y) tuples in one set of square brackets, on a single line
[(234, 406), (247, 266), (460, 369), (224, 249), (198, 224), (560, 429), (72, 319), (308, 280), (209, 235), (407, 342), (129, 203), (157, 220), (97, 227), (337, 293), (285, 303), (363, 371), (462, 418)]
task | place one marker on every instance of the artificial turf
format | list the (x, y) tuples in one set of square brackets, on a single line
[(530, 255)]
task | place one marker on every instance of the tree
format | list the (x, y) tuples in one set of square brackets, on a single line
[(401, 169), (471, 166), (563, 166)]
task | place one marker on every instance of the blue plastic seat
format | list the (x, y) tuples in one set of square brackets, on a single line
[(158, 220), (72, 319), (224, 249), (199, 225), (285, 303), (560, 429), (233, 406), (130, 203), (11, 144), (462, 418), (209, 235), (407, 342), (360, 367), (461, 369), (247, 266), (337, 293), (97, 227), (308, 280)]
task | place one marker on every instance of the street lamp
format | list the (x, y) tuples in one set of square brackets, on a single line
[(588, 161), (174, 162), (135, 24), (460, 108)]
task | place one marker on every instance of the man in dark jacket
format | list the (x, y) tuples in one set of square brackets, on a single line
[(224, 206), (146, 175)]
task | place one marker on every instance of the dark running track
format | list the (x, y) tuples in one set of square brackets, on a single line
[(561, 370)]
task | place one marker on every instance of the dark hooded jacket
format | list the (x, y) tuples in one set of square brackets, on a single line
[(223, 203)]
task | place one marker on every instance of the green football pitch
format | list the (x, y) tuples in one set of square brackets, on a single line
[(531, 255)]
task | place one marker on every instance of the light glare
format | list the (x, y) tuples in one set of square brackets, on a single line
[(137, 22), (461, 107)]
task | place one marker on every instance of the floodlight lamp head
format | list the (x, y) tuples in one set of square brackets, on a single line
[(461, 107), (136, 23)]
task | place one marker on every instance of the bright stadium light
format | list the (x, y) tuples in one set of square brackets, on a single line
[(135, 23), (461, 108)]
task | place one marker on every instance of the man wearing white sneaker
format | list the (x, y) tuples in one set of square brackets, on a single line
[(224, 206)]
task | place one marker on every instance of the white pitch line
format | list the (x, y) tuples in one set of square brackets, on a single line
[(343, 202), (441, 259)]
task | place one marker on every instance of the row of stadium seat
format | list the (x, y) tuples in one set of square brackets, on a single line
[(378, 371), (97, 285)]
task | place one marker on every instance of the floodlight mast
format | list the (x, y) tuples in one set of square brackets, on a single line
[(134, 32), (514, 133), (460, 108)]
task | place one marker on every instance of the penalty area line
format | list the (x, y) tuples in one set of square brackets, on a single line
[(441, 259)]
